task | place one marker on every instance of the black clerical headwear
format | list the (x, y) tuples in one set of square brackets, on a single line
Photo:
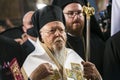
[(62, 3), (13, 32), (47, 14)]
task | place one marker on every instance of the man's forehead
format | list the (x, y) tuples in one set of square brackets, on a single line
[(54, 24)]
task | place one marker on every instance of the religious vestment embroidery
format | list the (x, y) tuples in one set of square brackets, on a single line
[(75, 72), (15, 69)]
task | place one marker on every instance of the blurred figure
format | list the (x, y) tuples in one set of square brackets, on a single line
[(8, 51), (25, 35), (13, 33), (28, 27), (20, 37), (104, 20), (111, 66)]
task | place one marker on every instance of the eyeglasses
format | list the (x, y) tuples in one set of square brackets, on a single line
[(72, 14)]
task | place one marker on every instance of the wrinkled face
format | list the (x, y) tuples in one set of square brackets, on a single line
[(53, 35), (74, 18)]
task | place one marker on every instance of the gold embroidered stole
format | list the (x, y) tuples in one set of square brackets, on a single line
[(24, 73), (60, 67)]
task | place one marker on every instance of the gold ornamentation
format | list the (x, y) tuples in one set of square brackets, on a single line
[(88, 10), (75, 72), (15, 69), (55, 76)]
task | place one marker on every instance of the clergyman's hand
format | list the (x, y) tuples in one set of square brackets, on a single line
[(90, 71), (42, 71)]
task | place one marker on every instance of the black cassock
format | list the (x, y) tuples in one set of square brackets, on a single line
[(112, 58), (96, 48), (9, 49)]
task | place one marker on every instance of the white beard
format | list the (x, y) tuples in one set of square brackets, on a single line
[(60, 55), (58, 43)]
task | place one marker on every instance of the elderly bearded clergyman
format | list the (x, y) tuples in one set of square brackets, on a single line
[(51, 60)]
